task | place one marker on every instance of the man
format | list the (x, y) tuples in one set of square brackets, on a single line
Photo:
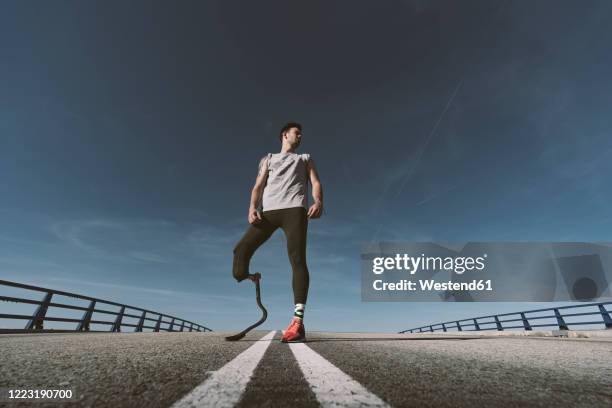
[(282, 186)]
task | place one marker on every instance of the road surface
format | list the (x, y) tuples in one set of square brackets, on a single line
[(330, 369)]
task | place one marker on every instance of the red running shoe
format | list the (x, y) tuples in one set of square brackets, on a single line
[(295, 333)]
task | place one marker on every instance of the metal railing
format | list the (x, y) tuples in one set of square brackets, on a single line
[(496, 322), (36, 321)]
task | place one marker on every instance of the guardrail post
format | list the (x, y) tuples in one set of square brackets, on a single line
[(182, 325), (158, 324), (498, 324), (141, 322), (38, 318), (172, 325), (190, 326), (443, 327), (525, 322), (117, 325), (560, 321), (459, 326), (476, 326), (431, 329), (606, 316), (84, 323)]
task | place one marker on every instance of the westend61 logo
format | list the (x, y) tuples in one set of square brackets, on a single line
[(458, 264)]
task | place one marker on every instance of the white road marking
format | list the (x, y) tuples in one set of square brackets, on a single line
[(331, 386), (226, 385)]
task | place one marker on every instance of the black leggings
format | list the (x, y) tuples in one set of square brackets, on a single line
[(294, 221)]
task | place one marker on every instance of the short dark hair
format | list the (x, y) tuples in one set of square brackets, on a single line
[(288, 126)]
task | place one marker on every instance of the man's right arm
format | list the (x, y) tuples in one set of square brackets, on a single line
[(257, 191)]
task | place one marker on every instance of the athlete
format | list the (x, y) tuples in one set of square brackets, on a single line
[(282, 188)]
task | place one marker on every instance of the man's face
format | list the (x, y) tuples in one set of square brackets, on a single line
[(294, 137)]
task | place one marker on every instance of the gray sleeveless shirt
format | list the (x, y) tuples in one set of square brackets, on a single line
[(287, 183)]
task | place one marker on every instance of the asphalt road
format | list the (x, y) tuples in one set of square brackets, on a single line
[(330, 369)]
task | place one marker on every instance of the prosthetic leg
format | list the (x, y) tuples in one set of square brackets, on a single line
[(255, 278)]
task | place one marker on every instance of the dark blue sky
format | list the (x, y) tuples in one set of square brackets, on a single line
[(130, 134)]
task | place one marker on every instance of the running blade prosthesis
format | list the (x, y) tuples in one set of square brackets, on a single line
[(255, 278)]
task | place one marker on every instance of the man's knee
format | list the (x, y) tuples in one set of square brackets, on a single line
[(297, 259), (240, 273), (240, 268)]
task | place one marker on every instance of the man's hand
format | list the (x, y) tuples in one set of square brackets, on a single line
[(315, 210), (254, 216)]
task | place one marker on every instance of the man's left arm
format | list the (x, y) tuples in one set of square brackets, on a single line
[(316, 209)]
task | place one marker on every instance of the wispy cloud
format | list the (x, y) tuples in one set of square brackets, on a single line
[(209, 237), (406, 169), (148, 257), (168, 293), (157, 241), (75, 233), (436, 195), (416, 162)]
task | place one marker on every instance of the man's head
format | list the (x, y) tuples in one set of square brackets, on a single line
[(291, 133)]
